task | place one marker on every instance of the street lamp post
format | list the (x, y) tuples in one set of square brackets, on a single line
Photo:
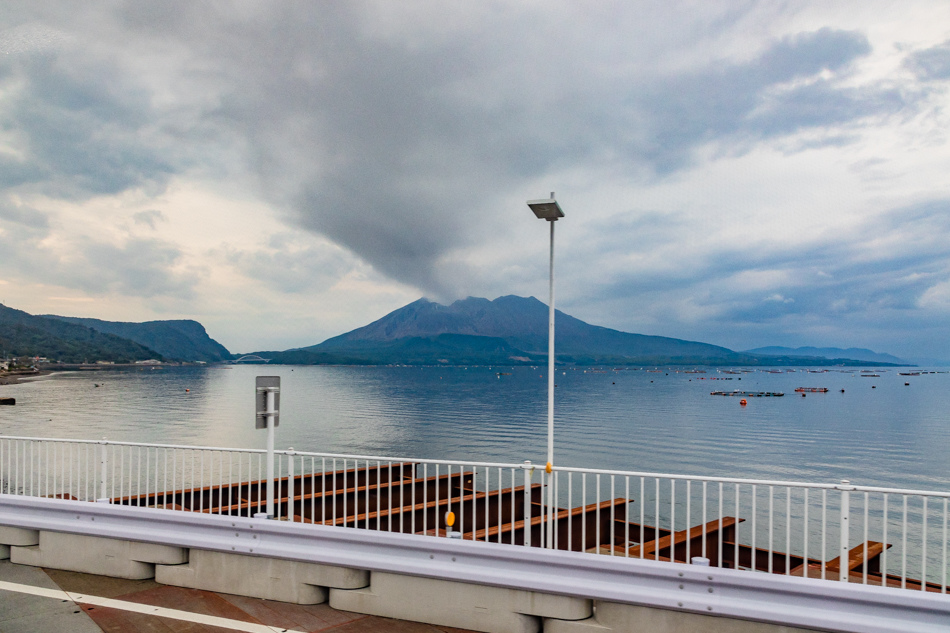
[(549, 210)]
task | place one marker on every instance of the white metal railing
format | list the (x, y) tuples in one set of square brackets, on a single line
[(871, 535)]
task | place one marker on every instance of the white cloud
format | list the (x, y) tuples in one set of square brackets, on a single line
[(726, 168)]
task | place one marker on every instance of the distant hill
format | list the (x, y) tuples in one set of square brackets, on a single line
[(183, 340), (23, 334), (855, 353), (509, 330)]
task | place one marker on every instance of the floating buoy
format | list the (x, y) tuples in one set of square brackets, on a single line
[(907, 384), (187, 390), (873, 386), (743, 402), (842, 391), (803, 395)]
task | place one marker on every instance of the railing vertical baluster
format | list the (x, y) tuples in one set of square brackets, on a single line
[(771, 527), (735, 549), (884, 539), (656, 519), (487, 521), (221, 483), (626, 519), (501, 505), (291, 487), (103, 471), (689, 520), (805, 536), (583, 512), (923, 548), (824, 530), (788, 530), (719, 555), (943, 589), (610, 533), (704, 521), (843, 551), (148, 465), (866, 517), (556, 523), (460, 520), (755, 495), (643, 506), (425, 498), (570, 504), (72, 461), (904, 547), (672, 517), (528, 471)]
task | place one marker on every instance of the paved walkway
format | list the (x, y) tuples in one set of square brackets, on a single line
[(34, 600)]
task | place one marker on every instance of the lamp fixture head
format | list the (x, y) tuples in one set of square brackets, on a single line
[(547, 209)]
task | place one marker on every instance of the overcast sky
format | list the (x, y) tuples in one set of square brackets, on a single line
[(741, 173)]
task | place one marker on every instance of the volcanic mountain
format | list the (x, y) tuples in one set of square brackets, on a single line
[(508, 330)]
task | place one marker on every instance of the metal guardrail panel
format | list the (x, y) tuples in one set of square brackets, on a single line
[(802, 602)]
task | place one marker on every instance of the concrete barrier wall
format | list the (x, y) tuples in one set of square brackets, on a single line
[(434, 601)]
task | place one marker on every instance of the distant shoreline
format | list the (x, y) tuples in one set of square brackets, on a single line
[(13, 378)]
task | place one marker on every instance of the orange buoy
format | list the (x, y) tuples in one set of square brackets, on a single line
[(743, 402)]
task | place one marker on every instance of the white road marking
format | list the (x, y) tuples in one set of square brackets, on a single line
[(147, 609)]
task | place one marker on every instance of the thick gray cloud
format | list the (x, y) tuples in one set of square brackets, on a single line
[(402, 136)]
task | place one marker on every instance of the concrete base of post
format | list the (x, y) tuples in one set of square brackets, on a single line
[(258, 577), (95, 555), (457, 604), (16, 536), (611, 617)]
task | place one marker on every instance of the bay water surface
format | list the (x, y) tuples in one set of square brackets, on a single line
[(878, 431)]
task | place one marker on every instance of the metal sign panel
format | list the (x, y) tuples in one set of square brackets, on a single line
[(264, 385)]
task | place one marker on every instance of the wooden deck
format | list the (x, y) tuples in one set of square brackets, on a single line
[(392, 497)]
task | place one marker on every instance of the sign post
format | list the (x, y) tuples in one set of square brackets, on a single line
[(267, 406)]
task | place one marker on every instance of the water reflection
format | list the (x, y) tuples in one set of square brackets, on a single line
[(890, 434)]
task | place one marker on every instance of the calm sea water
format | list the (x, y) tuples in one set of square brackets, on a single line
[(878, 432)]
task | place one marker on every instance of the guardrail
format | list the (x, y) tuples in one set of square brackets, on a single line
[(834, 531), (727, 593)]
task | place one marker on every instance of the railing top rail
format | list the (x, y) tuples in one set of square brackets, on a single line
[(370, 458), (525, 465), (756, 482)]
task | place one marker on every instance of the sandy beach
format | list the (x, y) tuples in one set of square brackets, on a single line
[(13, 378)]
